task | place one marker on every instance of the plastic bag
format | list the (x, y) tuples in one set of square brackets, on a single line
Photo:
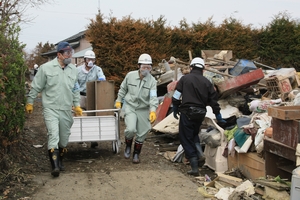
[(211, 137)]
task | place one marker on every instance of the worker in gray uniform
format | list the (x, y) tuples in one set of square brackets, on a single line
[(57, 82), (139, 92), (88, 72)]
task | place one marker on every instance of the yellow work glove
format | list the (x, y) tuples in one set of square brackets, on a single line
[(29, 108), (78, 111), (152, 116), (118, 104)]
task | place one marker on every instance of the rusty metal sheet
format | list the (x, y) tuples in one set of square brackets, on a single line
[(237, 83)]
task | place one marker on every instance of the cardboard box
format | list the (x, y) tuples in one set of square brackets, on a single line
[(250, 164), (284, 112)]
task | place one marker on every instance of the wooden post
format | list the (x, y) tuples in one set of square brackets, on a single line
[(190, 55)]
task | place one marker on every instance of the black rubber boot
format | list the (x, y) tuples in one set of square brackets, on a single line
[(200, 153), (62, 151), (194, 166), (127, 151), (54, 160), (136, 152)]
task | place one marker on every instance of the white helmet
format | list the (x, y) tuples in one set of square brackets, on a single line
[(197, 62), (35, 66), (89, 54), (145, 59)]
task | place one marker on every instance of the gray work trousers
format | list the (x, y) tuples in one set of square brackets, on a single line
[(137, 123), (58, 123)]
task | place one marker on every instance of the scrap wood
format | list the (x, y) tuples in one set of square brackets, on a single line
[(230, 179), (217, 72), (168, 147), (272, 184), (217, 60), (169, 155), (259, 191), (219, 185), (214, 71)]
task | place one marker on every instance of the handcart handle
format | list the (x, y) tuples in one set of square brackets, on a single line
[(104, 110)]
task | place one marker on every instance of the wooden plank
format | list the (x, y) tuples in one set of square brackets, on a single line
[(105, 96), (284, 112), (90, 97), (229, 178), (274, 185)]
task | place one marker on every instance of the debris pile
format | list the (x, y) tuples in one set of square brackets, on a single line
[(248, 93)]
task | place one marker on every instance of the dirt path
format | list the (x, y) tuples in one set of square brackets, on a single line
[(131, 184), (98, 173)]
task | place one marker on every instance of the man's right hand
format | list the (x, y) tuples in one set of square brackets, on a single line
[(29, 108), (118, 104)]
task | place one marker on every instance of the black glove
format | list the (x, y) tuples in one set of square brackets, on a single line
[(175, 111)]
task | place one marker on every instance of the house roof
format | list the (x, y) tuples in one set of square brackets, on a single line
[(81, 53), (73, 40)]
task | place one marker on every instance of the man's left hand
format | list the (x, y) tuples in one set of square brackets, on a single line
[(78, 111), (152, 116), (220, 119)]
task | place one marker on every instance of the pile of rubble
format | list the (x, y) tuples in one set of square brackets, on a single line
[(248, 90)]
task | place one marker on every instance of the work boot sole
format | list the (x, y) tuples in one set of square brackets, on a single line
[(135, 159), (126, 155), (127, 152), (55, 173), (193, 173)]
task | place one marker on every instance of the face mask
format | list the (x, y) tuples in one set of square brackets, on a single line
[(67, 61), (145, 72), (90, 64)]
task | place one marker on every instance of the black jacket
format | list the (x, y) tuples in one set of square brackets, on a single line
[(196, 91)]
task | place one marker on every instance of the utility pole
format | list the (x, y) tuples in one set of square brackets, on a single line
[(99, 7)]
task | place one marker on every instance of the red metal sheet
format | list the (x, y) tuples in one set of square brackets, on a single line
[(237, 83), (162, 110)]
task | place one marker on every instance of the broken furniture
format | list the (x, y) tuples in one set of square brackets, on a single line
[(280, 150)]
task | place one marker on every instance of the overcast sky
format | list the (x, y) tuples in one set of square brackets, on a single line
[(55, 22)]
